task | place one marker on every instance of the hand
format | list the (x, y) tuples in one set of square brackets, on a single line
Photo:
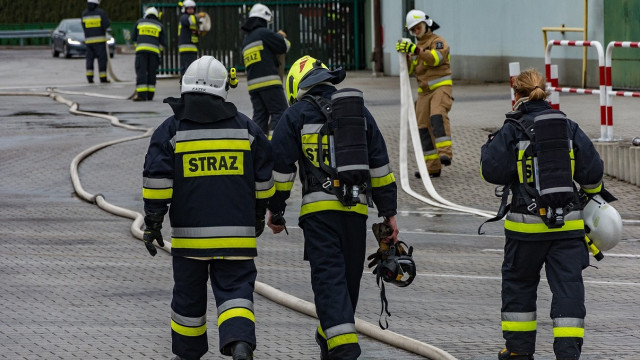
[(393, 238), (152, 232), (276, 222), (281, 32), (408, 47)]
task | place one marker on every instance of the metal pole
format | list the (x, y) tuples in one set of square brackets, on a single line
[(584, 50)]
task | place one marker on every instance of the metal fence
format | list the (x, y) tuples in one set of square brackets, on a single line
[(329, 30)]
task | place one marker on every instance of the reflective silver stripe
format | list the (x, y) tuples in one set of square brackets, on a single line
[(214, 231), (346, 94), (548, 116), (518, 316), (322, 196), (235, 303), (187, 135), (443, 138), (153, 183), (352, 167), (430, 152), (535, 219), (556, 190), (188, 321), (347, 328), (281, 177), (253, 44), (444, 78), (188, 46), (381, 171), (264, 185), (523, 145), (147, 45), (311, 129), (440, 57), (568, 322), (91, 17), (263, 79), (172, 141), (288, 44)]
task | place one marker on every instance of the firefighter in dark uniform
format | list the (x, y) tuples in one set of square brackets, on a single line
[(530, 241), (335, 234), (429, 60), (188, 35), (260, 49), (149, 38), (214, 166), (95, 23)]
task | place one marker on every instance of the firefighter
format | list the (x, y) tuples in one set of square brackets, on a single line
[(95, 23), (149, 38), (532, 238), (260, 49), (188, 35), (214, 166), (334, 234), (429, 60)]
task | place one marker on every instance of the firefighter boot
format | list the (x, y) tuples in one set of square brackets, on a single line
[(324, 349), (240, 350), (445, 160), (508, 355)]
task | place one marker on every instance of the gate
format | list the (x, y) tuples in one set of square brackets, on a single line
[(330, 30)]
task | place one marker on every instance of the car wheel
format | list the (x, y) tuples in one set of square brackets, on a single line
[(65, 51), (54, 52)]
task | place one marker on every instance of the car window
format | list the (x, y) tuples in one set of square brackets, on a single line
[(75, 26)]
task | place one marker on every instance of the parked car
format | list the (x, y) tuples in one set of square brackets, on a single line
[(68, 39)]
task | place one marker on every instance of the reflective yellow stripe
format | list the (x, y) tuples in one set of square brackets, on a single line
[(432, 157), (188, 331), (264, 194), (342, 340), (441, 83), (142, 88), (263, 84), (436, 58), (382, 181), (157, 194), (331, 205), (594, 190), (519, 325), (443, 144), (569, 225), (148, 48), (236, 312), (284, 186), (213, 243), (568, 332), (200, 145)]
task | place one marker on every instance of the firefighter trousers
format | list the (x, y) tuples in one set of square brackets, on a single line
[(335, 245), (564, 261), (268, 105), (99, 51), (146, 67), (232, 282), (432, 113)]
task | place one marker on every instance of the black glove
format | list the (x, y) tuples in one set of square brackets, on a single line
[(278, 219), (152, 232)]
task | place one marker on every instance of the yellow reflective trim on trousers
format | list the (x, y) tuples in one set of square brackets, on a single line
[(284, 186), (441, 83), (188, 331), (382, 181), (263, 84), (236, 312), (265, 194), (432, 157), (331, 205), (213, 243), (519, 325), (569, 225), (148, 48), (200, 145), (342, 340), (443, 144), (594, 190), (157, 194), (568, 332)]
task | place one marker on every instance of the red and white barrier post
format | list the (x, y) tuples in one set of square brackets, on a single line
[(609, 87), (514, 70)]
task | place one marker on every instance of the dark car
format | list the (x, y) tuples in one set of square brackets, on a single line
[(68, 39)]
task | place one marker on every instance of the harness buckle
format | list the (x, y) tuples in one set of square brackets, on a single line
[(326, 184), (532, 207)]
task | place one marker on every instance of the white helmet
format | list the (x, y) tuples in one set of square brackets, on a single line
[(261, 11), (206, 75), (151, 11), (602, 223), (188, 4), (414, 17), (94, 1)]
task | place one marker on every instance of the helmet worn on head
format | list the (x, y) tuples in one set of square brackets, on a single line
[(151, 11), (602, 222), (307, 72), (414, 17), (94, 1), (398, 269), (261, 11), (187, 4), (206, 75)]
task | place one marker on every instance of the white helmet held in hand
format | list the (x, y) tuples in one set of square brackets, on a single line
[(261, 11), (151, 11), (602, 223), (206, 75)]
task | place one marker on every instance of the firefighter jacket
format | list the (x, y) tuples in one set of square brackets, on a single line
[(214, 165), (431, 66), (295, 140), (95, 24), (149, 35), (259, 50), (188, 33), (499, 165)]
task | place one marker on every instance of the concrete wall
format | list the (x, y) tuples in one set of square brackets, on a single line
[(486, 35)]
